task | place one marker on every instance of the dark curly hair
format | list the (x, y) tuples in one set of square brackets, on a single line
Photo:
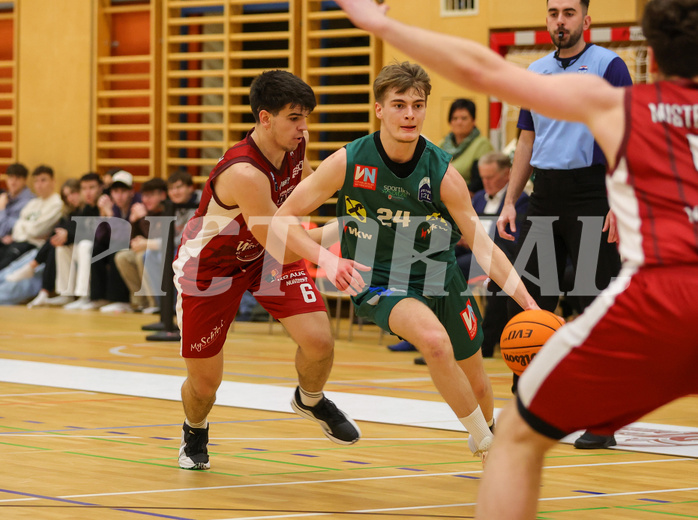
[(671, 29), (274, 89)]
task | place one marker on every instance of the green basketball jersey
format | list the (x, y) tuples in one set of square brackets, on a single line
[(398, 226)]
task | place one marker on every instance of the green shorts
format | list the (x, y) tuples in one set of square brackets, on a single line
[(457, 311)]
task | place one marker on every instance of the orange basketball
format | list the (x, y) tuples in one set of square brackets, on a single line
[(524, 336)]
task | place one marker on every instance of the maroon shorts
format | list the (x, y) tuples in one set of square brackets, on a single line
[(204, 320), (633, 350)]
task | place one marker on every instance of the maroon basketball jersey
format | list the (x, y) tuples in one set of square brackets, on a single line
[(654, 189), (216, 241)]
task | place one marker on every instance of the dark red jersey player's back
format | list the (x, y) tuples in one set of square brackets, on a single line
[(654, 189)]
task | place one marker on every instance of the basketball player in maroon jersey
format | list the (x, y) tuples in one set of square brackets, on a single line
[(222, 255), (607, 368)]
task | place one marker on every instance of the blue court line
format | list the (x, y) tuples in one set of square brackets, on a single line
[(587, 492), (75, 502), (654, 500), (271, 398)]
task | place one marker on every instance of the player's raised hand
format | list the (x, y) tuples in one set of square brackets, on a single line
[(365, 14), (344, 273)]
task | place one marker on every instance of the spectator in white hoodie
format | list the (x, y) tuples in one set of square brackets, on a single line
[(36, 220)]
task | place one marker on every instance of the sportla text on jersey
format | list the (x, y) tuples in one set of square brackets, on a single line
[(681, 116)]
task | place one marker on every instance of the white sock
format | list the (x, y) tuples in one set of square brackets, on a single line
[(201, 424), (476, 425), (310, 398)]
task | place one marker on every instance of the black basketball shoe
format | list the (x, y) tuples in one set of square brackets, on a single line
[(336, 425), (193, 453), (591, 441)]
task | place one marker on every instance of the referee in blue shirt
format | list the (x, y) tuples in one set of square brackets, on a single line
[(568, 170)]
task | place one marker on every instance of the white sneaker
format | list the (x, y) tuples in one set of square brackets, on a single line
[(39, 300), (117, 307), (481, 450), (60, 301), (151, 310), (23, 273), (81, 304)]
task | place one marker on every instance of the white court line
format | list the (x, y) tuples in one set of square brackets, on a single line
[(640, 437), (417, 508), (237, 486), (468, 504), (67, 435), (396, 380), (48, 393), (624, 494), (116, 351), (339, 480), (458, 438), (295, 515)]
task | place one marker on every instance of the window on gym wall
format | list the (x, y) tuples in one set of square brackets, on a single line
[(215, 48), (177, 96), (459, 7), (340, 63), (126, 93)]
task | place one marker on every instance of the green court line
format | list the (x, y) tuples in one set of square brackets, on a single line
[(68, 436), (302, 468), (664, 513), (577, 510), (24, 446), (169, 466), (362, 468), (645, 508), (363, 447), (15, 428)]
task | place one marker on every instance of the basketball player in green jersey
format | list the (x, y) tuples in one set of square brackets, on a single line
[(402, 207)]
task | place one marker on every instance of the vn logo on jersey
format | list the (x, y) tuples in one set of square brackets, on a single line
[(470, 320), (365, 177), (355, 208), (692, 213)]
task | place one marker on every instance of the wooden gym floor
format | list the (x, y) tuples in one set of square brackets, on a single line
[(70, 451)]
